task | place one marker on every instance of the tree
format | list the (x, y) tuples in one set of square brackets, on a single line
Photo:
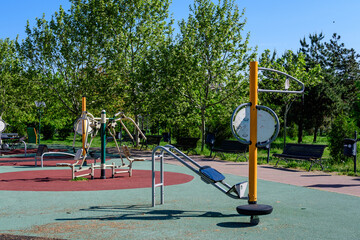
[(340, 70), (295, 66), (67, 56), (97, 49), (212, 54), (14, 103), (139, 31)]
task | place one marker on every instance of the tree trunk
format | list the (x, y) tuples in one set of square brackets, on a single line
[(202, 129), (301, 124), (315, 133), (136, 132), (287, 107), (284, 130), (300, 132)]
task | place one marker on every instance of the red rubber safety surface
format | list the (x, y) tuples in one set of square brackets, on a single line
[(31, 150), (60, 180)]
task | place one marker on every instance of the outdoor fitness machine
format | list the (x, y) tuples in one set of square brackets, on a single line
[(208, 174), (92, 127), (251, 124), (89, 126), (257, 126), (12, 137)]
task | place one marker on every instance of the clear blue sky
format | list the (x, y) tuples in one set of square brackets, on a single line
[(273, 24)]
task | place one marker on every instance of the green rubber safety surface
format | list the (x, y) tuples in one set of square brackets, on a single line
[(193, 210)]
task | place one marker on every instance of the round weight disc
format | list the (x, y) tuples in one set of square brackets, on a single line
[(2, 126), (267, 124), (78, 126), (241, 123)]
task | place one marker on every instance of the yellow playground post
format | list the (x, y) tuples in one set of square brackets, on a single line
[(253, 132)]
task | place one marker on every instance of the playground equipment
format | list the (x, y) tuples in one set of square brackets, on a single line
[(251, 124), (13, 138), (2, 129), (89, 126), (208, 174), (257, 126)]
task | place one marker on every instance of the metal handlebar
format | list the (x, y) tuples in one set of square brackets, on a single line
[(117, 114), (288, 76), (137, 127)]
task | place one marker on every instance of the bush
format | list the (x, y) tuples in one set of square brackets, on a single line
[(221, 129), (48, 131), (64, 132), (342, 127)]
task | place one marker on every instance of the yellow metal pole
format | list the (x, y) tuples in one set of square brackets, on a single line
[(84, 124), (253, 133)]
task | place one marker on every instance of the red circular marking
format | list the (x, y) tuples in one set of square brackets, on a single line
[(60, 180)]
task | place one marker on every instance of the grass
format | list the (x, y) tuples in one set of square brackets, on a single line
[(344, 168), (77, 179)]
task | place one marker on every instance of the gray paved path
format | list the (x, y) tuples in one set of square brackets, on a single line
[(314, 179)]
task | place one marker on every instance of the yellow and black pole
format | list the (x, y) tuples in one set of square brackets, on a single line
[(253, 133), (253, 209)]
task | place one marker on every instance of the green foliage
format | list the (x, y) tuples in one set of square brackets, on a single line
[(48, 131), (340, 71), (288, 106), (342, 127), (211, 55), (65, 131), (122, 55), (15, 89)]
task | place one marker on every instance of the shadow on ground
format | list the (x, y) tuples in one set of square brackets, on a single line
[(142, 213)]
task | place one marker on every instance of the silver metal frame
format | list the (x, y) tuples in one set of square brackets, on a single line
[(288, 76), (169, 149)]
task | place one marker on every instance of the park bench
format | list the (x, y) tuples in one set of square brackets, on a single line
[(151, 140), (230, 146), (186, 143), (307, 152)]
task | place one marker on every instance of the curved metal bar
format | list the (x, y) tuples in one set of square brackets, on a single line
[(137, 127), (54, 153), (126, 130), (287, 75), (112, 133)]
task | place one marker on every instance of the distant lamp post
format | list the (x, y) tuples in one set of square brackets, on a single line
[(40, 106)]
